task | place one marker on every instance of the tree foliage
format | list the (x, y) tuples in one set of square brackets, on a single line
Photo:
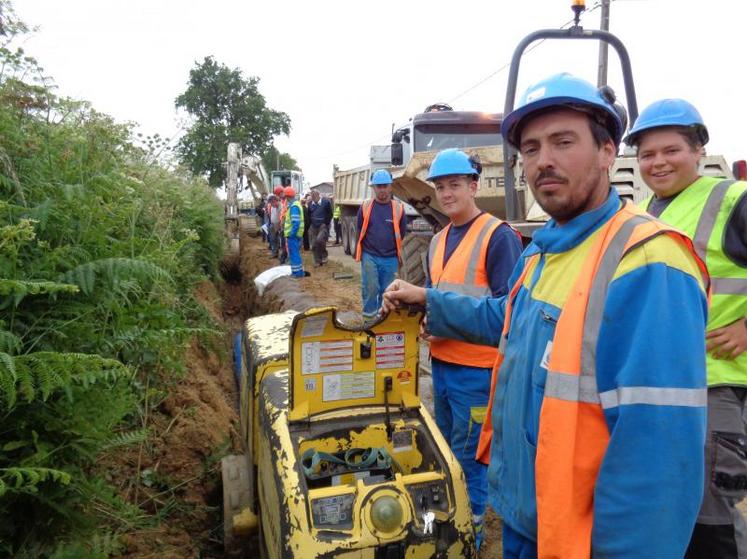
[(224, 107), (100, 247), (274, 159)]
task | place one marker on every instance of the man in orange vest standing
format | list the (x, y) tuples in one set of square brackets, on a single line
[(382, 225), (473, 255), (595, 428)]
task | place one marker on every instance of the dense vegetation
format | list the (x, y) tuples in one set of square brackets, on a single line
[(100, 247)]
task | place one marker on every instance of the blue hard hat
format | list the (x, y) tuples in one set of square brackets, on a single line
[(382, 176), (453, 162), (565, 90), (668, 112)]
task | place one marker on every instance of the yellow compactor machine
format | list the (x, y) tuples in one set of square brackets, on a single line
[(342, 459)]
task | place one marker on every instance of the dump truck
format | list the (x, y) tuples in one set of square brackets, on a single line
[(341, 457)]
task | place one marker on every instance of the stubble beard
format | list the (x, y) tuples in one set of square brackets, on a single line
[(564, 207)]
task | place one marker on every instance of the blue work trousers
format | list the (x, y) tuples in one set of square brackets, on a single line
[(377, 272), (294, 254), (516, 546), (460, 399)]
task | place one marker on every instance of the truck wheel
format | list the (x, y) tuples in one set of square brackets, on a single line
[(344, 232), (414, 249), (353, 236)]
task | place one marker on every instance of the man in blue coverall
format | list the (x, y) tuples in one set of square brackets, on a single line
[(293, 231), (613, 422)]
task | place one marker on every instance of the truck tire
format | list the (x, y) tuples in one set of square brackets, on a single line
[(414, 249), (353, 236), (344, 224)]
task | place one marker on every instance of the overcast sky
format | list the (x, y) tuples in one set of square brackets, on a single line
[(345, 71)]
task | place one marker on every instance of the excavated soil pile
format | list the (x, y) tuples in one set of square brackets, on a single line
[(319, 289)]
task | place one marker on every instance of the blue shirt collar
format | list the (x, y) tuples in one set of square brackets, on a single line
[(554, 238)]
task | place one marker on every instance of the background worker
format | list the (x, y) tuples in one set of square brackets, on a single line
[(293, 231), (474, 255), (305, 205), (320, 216), (382, 224), (336, 219), (282, 247), (276, 210), (670, 135), (598, 403)]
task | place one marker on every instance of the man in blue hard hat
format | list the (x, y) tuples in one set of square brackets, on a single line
[(382, 224), (474, 254), (669, 136), (598, 394)]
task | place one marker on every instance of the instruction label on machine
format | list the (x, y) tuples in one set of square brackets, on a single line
[(390, 350), (350, 386), (326, 357)]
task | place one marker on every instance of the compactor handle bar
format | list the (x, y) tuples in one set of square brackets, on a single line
[(575, 32)]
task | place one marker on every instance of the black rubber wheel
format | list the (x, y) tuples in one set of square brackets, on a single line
[(414, 250), (344, 232), (353, 235)]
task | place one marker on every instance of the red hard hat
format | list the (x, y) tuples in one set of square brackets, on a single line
[(278, 190), (290, 192)]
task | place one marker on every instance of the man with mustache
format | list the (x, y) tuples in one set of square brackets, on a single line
[(669, 136), (595, 435)]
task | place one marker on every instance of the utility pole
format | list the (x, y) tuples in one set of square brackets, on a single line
[(604, 26)]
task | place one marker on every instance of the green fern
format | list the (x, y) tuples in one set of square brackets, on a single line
[(28, 479), (37, 375), (125, 439), (113, 270), (14, 291), (9, 342)]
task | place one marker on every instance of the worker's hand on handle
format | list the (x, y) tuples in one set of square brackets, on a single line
[(728, 342), (402, 293)]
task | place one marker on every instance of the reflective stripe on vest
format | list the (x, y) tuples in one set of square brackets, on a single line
[(703, 211), (573, 433), (464, 273), (397, 211), (288, 225)]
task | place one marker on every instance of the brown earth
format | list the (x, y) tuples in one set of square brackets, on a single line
[(175, 474)]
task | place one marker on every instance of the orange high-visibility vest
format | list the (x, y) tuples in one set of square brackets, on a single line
[(397, 211), (464, 273), (573, 434), (283, 211)]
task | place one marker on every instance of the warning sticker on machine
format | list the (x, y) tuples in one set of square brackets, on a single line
[(326, 357), (390, 350), (313, 326), (351, 386)]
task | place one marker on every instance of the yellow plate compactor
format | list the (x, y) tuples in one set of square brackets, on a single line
[(342, 459)]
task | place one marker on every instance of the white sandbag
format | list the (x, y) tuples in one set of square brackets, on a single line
[(268, 276)]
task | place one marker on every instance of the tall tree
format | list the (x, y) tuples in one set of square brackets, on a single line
[(274, 159), (225, 107)]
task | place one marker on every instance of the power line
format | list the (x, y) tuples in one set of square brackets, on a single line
[(466, 91), (505, 66)]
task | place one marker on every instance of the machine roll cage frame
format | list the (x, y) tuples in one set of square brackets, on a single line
[(575, 32)]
